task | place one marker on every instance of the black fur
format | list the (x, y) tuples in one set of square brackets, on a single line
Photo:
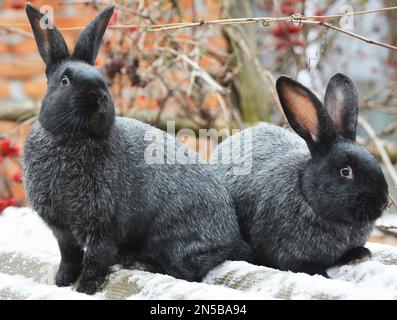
[(295, 208), (50, 43), (87, 176), (358, 253), (89, 42)]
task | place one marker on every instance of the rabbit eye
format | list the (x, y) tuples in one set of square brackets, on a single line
[(65, 81), (346, 172)]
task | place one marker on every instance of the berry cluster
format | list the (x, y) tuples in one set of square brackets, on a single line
[(17, 5), (288, 34), (8, 150), (7, 202)]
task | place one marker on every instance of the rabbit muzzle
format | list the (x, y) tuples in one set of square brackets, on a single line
[(96, 97)]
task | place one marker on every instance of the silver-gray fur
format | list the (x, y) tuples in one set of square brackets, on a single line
[(98, 183), (294, 208)]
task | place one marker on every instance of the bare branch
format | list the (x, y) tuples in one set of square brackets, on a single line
[(265, 21), (379, 145)]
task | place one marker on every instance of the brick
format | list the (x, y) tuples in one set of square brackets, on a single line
[(19, 132), (35, 89), (211, 102), (7, 126), (26, 46), (217, 42), (57, 5), (61, 22), (4, 90), (21, 70), (145, 103)]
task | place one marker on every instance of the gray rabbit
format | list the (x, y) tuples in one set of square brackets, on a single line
[(310, 201), (99, 181)]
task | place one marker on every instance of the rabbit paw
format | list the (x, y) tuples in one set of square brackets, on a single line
[(87, 287), (65, 278), (90, 286), (358, 253), (314, 270)]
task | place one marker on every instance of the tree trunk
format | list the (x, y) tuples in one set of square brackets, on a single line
[(251, 96), (393, 33)]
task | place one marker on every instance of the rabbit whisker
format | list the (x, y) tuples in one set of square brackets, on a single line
[(76, 124), (60, 126), (65, 124)]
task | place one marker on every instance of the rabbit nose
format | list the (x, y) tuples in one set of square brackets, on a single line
[(98, 95)]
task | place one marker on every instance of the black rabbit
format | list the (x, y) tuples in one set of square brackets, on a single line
[(308, 203), (98, 184)]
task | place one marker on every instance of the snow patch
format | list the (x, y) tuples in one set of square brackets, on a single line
[(28, 248)]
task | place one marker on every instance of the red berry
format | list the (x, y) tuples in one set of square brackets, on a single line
[(287, 9), (17, 177), (292, 28), (320, 12), (17, 4), (142, 97), (3, 204), (7, 150), (12, 202), (284, 30), (14, 152), (1, 159), (5, 146), (7, 202), (130, 29), (280, 44), (277, 31)]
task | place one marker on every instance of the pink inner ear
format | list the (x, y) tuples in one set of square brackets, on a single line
[(304, 111)]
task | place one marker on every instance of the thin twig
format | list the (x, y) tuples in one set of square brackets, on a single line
[(393, 202), (391, 128), (196, 67), (20, 32), (357, 36), (379, 145), (314, 20), (387, 227), (388, 231), (265, 20)]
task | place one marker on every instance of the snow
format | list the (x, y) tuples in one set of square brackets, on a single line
[(18, 287), (388, 220), (23, 231), (29, 258), (164, 287)]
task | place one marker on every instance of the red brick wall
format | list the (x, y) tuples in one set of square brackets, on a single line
[(21, 68), (22, 75)]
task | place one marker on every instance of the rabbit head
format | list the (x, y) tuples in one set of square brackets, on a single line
[(342, 181), (77, 99)]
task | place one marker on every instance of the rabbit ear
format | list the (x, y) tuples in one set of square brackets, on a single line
[(341, 101), (88, 44), (52, 47), (305, 113)]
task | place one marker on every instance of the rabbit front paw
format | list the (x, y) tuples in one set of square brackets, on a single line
[(66, 276), (314, 270), (90, 286), (359, 253)]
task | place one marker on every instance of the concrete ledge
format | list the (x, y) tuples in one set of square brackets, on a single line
[(29, 259)]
